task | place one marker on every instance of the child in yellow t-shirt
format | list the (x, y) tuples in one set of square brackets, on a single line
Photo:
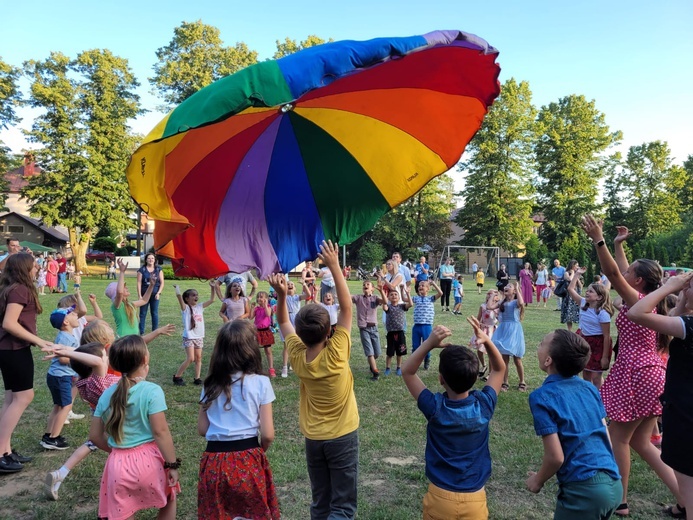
[(328, 416), (479, 281)]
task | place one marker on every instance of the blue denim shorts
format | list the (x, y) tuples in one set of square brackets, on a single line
[(61, 389)]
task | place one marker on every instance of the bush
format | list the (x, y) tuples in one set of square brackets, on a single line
[(170, 275), (122, 251), (371, 254), (104, 244)]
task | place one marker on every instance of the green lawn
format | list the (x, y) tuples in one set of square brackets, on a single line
[(392, 433)]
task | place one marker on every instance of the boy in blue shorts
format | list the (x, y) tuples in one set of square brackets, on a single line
[(59, 379), (458, 461), (569, 416), (424, 313)]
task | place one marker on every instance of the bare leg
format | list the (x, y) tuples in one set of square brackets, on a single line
[(520, 369), (285, 356), (372, 364), (189, 358), (621, 433), (399, 361), (569, 325), (59, 419), (198, 362), (268, 353), (640, 442), (685, 489), (77, 456), (388, 361), (506, 360), (168, 512), (13, 407)]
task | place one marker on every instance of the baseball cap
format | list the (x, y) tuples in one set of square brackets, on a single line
[(58, 316)]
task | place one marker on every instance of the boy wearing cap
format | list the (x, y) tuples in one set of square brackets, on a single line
[(59, 379)]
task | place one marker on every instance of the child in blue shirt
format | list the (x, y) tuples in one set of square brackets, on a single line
[(60, 378), (569, 416), (424, 312), (458, 461)]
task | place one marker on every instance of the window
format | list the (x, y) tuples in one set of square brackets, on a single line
[(15, 229)]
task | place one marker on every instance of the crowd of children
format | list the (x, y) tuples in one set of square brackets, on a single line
[(235, 415)]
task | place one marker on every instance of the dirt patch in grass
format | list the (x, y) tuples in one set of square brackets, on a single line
[(401, 461)]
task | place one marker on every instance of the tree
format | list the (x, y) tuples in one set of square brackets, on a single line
[(194, 58), (573, 135), (687, 191), (371, 254), (651, 190), (10, 98), (86, 143), (422, 220), (289, 46), (497, 193)]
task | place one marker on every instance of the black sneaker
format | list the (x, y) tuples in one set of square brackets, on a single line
[(178, 381), (55, 443), (427, 363), (197, 381), (9, 465), (375, 376), (22, 459)]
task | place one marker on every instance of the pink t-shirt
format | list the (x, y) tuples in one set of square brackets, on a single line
[(262, 319)]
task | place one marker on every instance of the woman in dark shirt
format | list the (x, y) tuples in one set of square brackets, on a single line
[(150, 273)]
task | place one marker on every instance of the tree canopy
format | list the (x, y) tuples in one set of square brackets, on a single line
[(289, 46)]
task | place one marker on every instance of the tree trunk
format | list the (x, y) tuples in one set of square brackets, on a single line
[(79, 242)]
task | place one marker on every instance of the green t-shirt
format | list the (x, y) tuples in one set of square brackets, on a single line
[(144, 399), (123, 326)]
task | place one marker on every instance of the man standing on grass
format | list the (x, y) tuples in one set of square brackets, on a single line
[(13, 248), (62, 272), (558, 271)]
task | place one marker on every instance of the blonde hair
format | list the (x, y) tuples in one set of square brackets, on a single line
[(605, 303), (97, 331)]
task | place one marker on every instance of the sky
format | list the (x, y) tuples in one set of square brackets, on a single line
[(634, 58)]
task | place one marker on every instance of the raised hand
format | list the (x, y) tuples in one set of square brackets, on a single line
[(278, 283), (622, 234), (329, 254), (593, 228), (122, 266)]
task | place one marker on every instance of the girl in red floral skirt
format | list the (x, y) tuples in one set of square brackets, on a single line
[(236, 404)]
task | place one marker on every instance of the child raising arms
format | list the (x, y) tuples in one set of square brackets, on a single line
[(394, 325), (509, 336), (142, 472), (235, 306), (328, 414), (193, 331), (595, 326), (123, 310), (236, 404), (487, 320), (262, 314), (569, 417), (458, 460)]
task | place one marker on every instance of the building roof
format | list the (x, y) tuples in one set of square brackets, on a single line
[(18, 178), (56, 235)]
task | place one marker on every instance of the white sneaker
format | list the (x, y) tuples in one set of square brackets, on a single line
[(53, 482), (72, 416), (67, 421), (285, 372)]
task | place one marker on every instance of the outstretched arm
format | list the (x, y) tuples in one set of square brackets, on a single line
[(495, 360), (181, 303), (278, 283), (551, 463), (329, 254), (593, 228), (573, 282), (413, 362), (97, 310), (212, 286), (145, 297), (439, 292), (641, 312), (622, 234), (166, 330)]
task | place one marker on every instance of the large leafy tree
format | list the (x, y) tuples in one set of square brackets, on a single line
[(10, 98), (289, 46), (85, 140), (572, 138), (422, 220), (194, 58), (651, 189), (498, 192)]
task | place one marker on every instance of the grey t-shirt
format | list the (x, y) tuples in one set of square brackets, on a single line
[(395, 317)]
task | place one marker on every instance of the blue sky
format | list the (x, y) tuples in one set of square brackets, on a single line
[(633, 57)]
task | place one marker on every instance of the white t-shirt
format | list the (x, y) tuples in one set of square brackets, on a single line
[(199, 331), (542, 276), (590, 321), (333, 311), (327, 277), (77, 331), (239, 419)]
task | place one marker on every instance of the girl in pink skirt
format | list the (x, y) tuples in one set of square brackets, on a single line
[(141, 471), (235, 475), (262, 314)]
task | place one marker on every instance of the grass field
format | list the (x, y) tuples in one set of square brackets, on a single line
[(392, 433)]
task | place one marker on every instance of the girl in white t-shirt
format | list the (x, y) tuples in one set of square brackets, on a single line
[(332, 309), (236, 404), (193, 331), (595, 327)]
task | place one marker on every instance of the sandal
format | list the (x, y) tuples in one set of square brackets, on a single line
[(680, 513), (622, 510), (504, 387), (522, 387)]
